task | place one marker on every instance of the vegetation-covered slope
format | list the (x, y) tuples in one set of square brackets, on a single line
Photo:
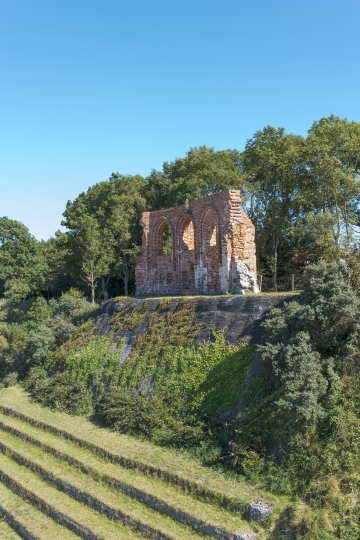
[(281, 417)]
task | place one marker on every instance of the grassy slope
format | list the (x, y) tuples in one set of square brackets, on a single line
[(41, 526), (98, 524), (171, 495), (177, 462), (173, 461), (6, 532)]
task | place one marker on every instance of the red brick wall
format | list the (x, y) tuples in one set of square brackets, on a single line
[(213, 248)]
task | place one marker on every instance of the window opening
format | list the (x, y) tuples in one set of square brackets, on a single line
[(188, 236), (166, 241), (212, 235)]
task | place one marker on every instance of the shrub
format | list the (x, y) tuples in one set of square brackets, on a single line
[(97, 363), (38, 312), (39, 344), (10, 379), (16, 336), (306, 339), (59, 392), (62, 329)]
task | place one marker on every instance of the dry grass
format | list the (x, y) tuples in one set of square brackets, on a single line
[(176, 462), (103, 493), (38, 524), (6, 532), (172, 495), (95, 521)]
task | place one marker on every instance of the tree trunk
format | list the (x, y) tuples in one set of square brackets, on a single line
[(103, 286), (126, 276), (92, 289), (276, 245)]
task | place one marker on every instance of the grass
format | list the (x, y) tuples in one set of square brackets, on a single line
[(6, 532), (95, 521), (170, 495), (41, 526), (103, 493), (95, 476), (169, 460)]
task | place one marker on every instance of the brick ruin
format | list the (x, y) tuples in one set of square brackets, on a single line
[(206, 246)]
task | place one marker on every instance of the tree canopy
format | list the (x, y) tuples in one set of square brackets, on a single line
[(302, 194), (22, 265)]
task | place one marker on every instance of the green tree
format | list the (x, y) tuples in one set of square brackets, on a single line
[(117, 205), (307, 341), (95, 253), (22, 265), (333, 183), (203, 171), (60, 274), (105, 231), (273, 163), (87, 242)]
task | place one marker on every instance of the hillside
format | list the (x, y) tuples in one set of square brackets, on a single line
[(122, 486), (226, 399)]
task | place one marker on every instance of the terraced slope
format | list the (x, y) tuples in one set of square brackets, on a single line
[(99, 484)]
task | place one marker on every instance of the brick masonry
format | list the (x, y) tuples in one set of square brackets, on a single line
[(212, 248)]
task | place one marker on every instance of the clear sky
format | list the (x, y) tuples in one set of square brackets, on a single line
[(91, 87)]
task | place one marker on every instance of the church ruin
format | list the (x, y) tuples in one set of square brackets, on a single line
[(203, 247)]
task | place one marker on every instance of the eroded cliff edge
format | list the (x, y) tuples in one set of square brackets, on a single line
[(239, 317)]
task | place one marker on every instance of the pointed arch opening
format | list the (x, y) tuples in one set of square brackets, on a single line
[(187, 233), (166, 241)]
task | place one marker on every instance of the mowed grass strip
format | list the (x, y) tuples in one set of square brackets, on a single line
[(191, 475), (80, 485), (6, 532), (99, 525), (34, 521), (102, 469)]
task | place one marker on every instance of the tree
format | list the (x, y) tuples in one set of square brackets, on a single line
[(22, 265), (202, 172), (105, 232), (307, 341), (117, 205), (60, 276), (88, 242), (273, 164), (333, 168)]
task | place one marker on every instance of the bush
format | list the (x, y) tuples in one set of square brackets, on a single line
[(59, 392), (10, 379), (164, 418), (38, 312), (306, 340), (96, 365), (62, 329), (16, 336), (39, 344)]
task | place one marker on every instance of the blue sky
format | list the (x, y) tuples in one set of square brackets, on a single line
[(90, 87)]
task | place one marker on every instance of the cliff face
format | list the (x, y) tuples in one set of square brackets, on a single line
[(240, 317)]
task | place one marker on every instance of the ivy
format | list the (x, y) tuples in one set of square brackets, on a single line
[(96, 362)]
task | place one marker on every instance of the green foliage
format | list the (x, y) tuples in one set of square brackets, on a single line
[(167, 241), (173, 391), (69, 303), (97, 362), (306, 340), (38, 312), (22, 265), (10, 379), (40, 342), (60, 392), (201, 172), (62, 329), (16, 336)]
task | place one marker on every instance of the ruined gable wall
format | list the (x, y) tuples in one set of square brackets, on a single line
[(212, 238)]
